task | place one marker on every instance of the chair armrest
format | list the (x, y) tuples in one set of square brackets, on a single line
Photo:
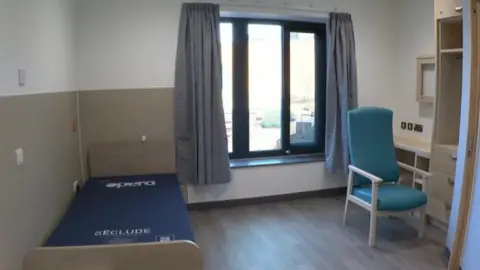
[(415, 170), (371, 177)]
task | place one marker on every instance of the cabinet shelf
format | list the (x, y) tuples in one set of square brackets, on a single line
[(452, 51)]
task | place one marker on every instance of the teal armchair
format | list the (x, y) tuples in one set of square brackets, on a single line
[(374, 170)]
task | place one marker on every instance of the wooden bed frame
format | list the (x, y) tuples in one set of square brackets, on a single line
[(113, 159)]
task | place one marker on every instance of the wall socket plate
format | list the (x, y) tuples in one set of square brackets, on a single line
[(418, 128), (19, 156), (76, 186), (22, 77)]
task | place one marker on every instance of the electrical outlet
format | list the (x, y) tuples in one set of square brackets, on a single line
[(76, 187), (410, 126), (404, 125), (19, 156), (418, 128), (22, 77)]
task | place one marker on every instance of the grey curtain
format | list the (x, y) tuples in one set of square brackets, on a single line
[(341, 90), (200, 133)]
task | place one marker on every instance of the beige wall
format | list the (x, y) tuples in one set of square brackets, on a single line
[(125, 115), (33, 196), (36, 194)]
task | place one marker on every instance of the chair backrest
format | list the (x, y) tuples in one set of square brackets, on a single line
[(371, 143)]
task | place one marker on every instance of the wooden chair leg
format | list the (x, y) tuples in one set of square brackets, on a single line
[(373, 228), (349, 191), (345, 211), (423, 222)]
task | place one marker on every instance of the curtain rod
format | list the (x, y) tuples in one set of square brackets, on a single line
[(285, 6)]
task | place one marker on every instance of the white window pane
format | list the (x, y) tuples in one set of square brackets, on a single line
[(265, 86), (302, 88)]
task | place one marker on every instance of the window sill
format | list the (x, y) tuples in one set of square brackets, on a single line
[(275, 161)]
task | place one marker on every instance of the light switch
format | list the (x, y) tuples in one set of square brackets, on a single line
[(19, 155), (22, 77)]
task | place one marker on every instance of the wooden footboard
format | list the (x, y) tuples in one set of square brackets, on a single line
[(175, 255)]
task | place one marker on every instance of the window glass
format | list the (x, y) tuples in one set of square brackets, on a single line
[(265, 86)]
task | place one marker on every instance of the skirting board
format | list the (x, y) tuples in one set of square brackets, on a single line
[(269, 199), (446, 254)]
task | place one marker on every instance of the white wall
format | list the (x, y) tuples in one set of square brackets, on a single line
[(5, 47), (415, 36), (268, 181), (132, 44), (37, 35), (126, 44)]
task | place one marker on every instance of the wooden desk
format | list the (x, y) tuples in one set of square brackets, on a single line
[(420, 148), (414, 153)]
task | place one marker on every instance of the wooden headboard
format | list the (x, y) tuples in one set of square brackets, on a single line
[(131, 158)]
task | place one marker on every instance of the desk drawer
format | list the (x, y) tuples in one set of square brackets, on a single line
[(438, 209), (440, 185), (443, 159)]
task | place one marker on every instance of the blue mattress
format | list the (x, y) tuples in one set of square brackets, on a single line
[(116, 210)]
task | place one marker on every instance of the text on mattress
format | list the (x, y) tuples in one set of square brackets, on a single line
[(129, 232), (130, 184)]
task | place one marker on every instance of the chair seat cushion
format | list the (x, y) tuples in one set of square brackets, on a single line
[(392, 197)]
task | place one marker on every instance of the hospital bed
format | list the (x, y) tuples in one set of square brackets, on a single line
[(129, 215)]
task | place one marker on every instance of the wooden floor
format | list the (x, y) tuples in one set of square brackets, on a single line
[(309, 235)]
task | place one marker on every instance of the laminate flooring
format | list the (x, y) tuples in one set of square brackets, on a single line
[(309, 234)]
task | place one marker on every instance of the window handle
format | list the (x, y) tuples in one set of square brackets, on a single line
[(458, 9), (288, 152)]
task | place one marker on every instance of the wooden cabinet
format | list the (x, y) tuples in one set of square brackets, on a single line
[(440, 185), (448, 8), (442, 189), (448, 98), (439, 210), (444, 158)]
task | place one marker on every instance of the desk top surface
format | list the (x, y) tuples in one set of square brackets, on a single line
[(419, 147)]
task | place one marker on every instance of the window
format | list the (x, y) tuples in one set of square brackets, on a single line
[(274, 79)]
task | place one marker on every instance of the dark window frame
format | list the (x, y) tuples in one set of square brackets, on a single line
[(240, 110)]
